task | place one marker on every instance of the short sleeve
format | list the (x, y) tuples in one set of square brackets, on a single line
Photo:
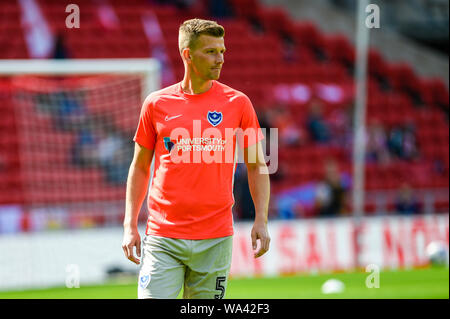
[(145, 133), (252, 132)]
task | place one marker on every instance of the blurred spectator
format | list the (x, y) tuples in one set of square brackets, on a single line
[(58, 103), (265, 123), (340, 123), (84, 152), (331, 192), (267, 120), (410, 149), (289, 49), (256, 25), (439, 167), (60, 51), (396, 142), (220, 9), (244, 206), (317, 127), (289, 133), (180, 4), (115, 157), (104, 146), (66, 109), (377, 144), (402, 142), (406, 202)]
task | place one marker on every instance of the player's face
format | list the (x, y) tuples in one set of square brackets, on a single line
[(207, 57)]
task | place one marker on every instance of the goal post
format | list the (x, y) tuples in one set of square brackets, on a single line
[(66, 143), (71, 124)]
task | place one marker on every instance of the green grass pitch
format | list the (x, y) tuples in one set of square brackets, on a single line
[(405, 284)]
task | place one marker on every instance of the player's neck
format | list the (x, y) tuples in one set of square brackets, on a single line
[(193, 86)]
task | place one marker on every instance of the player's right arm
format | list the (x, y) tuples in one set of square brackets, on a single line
[(137, 184)]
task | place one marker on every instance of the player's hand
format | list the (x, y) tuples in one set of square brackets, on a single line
[(259, 232), (131, 239)]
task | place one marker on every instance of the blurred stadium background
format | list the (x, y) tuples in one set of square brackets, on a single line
[(66, 131)]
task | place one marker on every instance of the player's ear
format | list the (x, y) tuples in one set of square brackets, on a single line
[(186, 53)]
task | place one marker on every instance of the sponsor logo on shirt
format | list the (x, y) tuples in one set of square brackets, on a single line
[(168, 144)]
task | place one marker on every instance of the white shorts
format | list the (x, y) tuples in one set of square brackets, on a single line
[(168, 264)]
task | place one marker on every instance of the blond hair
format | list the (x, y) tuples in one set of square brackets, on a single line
[(191, 30)]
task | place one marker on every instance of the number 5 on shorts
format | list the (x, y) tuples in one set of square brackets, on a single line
[(219, 281)]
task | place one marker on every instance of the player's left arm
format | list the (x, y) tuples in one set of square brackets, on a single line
[(259, 185)]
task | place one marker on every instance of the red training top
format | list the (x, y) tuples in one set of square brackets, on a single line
[(194, 141)]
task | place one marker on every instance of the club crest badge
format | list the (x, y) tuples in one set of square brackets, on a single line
[(214, 118), (143, 281)]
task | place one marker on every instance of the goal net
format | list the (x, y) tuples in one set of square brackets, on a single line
[(73, 125), (66, 130)]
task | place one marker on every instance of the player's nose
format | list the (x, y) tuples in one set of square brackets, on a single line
[(219, 60)]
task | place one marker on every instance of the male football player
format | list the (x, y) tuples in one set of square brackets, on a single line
[(188, 240)]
